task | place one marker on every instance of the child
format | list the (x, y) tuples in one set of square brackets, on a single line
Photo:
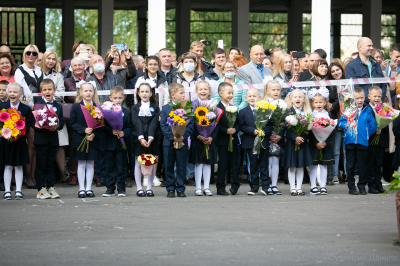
[(258, 163), (3, 91), (46, 143), (298, 103), (376, 152), (116, 156), (145, 116), (226, 158), (319, 102), (15, 154), (202, 164), (171, 155), (272, 93), (86, 94), (356, 143), (396, 132)]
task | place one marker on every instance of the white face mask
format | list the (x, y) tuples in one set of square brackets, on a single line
[(99, 67), (229, 75), (188, 67)]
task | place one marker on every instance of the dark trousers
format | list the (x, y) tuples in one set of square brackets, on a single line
[(228, 160), (45, 161), (259, 168), (387, 166), (360, 156), (172, 156), (117, 164), (131, 165), (375, 162), (73, 164), (101, 164)]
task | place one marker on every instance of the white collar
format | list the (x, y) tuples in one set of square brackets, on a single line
[(252, 108), (85, 102), (323, 113), (225, 105), (146, 104), (44, 99), (16, 106), (298, 111)]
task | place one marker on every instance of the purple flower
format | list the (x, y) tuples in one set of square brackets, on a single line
[(210, 115)]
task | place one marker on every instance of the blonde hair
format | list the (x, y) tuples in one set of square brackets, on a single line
[(45, 55), (306, 105), (117, 89), (27, 49), (79, 97), (280, 63), (319, 95), (15, 84), (226, 62), (268, 86), (204, 82), (196, 43), (174, 87)]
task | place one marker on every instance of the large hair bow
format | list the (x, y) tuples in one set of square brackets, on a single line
[(324, 92), (80, 83), (142, 80)]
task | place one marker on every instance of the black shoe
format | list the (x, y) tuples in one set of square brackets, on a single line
[(373, 191), (140, 193), (19, 195), (363, 192), (381, 190), (121, 193), (353, 191), (171, 194), (181, 194), (101, 183), (149, 193), (128, 184), (82, 195), (190, 182), (163, 184), (7, 196), (233, 191), (223, 192), (90, 194), (109, 193)]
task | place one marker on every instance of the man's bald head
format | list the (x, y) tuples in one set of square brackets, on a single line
[(257, 54), (5, 49), (365, 46), (96, 59)]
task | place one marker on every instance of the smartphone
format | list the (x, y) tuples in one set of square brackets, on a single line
[(207, 43), (83, 52), (120, 46), (300, 54)]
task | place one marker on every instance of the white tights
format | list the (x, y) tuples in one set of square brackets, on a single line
[(323, 175), (89, 167), (8, 175), (295, 176), (138, 177), (273, 168), (204, 170)]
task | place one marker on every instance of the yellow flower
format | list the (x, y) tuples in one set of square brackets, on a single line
[(201, 111), (14, 132), (171, 114), (176, 118), (203, 121)]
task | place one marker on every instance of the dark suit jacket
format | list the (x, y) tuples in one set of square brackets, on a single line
[(146, 126), (45, 136), (223, 137), (78, 123), (112, 142), (247, 126)]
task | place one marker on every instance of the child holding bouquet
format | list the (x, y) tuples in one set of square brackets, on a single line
[(145, 116), (13, 148), (46, 140), (86, 96), (297, 151), (319, 102)]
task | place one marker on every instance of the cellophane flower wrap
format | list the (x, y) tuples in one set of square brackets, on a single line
[(274, 149), (348, 106), (384, 115), (94, 119), (278, 119), (12, 124), (113, 115), (299, 124), (178, 119), (46, 118), (207, 116), (264, 111), (147, 162), (322, 129), (231, 114)]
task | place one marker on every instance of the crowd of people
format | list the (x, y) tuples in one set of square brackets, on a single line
[(41, 158)]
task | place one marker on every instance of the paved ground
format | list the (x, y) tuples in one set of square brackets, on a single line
[(337, 229)]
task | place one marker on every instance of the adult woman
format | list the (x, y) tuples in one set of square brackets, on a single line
[(7, 67), (115, 55), (48, 65), (296, 66), (233, 52), (283, 71), (267, 62), (229, 72), (275, 53), (113, 63), (319, 70), (240, 61)]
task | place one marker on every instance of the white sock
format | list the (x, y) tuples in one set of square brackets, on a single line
[(274, 170), (19, 176), (270, 166), (89, 174), (198, 172), (292, 177), (150, 179), (81, 174), (7, 178), (323, 174), (138, 175), (313, 176), (299, 177), (206, 175)]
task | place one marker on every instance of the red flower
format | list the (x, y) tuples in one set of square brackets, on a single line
[(148, 163)]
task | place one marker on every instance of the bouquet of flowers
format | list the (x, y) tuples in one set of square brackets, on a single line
[(113, 114), (322, 128), (46, 118), (274, 149), (231, 114), (94, 119), (263, 113), (299, 124), (147, 162), (12, 124), (206, 119), (178, 119), (384, 115), (348, 107)]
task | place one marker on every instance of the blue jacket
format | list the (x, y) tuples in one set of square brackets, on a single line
[(366, 127), (358, 69), (239, 96)]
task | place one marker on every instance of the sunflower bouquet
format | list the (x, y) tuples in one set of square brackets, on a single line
[(206, 120), (12, 124), (263, 113), (94, 119), (178, 119)]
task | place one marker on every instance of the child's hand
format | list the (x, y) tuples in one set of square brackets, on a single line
[(149, 142), (53, 129), (378, 132), (298, 140), (202, 139), (143, 142), (231, 131), (178, 139), (256, 132), (115, 132), (121, 134), (275, 138), (208, 140), (89, 130), (324, 144), (90, 137)]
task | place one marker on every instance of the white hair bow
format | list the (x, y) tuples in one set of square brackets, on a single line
[(91, 82), (324, 92), (148, 81)]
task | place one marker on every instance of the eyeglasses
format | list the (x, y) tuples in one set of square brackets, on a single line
[(229, 68), (29, 53)]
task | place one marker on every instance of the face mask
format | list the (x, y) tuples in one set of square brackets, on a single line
[(229, 75), (98, 68), (188, 67)]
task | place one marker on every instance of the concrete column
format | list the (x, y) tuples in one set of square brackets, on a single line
[(372, 12), (295, 26), (321, 25), (336, 32), (156, 26), (105, 26), (68, 33), (182, 17), (40, 28), (240, 25), (142, 31)]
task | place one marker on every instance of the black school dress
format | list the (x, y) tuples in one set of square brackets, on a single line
[(327, 155), (396, 132), (16, 153), (196, 148)]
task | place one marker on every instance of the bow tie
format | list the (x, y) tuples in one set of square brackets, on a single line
[(51, 103)]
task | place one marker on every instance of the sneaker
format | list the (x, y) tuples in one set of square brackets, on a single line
[(144, 181), (207, 192), (109, 193), (270, 192), (384, 183), (156, 182), (252, 192), (323, 191), (121, 193), (264, 191), (335, 180), (356, 177), (198, 192), (43, 194), (314, 191), (7, 196), (53, 193)]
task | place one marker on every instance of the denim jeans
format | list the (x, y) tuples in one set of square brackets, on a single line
[(189, 170), (338, 142)]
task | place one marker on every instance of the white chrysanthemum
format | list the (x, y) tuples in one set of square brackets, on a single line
[(231, 109), (292, 120)]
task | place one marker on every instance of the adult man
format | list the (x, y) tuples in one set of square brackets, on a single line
[(167, 69), (306, 75), (198, 48), (304, 63), (39, 59), (218, 56), (254, 72), (5, 49), (365, 66), (321, 53)]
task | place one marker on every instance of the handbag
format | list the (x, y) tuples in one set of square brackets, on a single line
[(63, 136), (66, 109)]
